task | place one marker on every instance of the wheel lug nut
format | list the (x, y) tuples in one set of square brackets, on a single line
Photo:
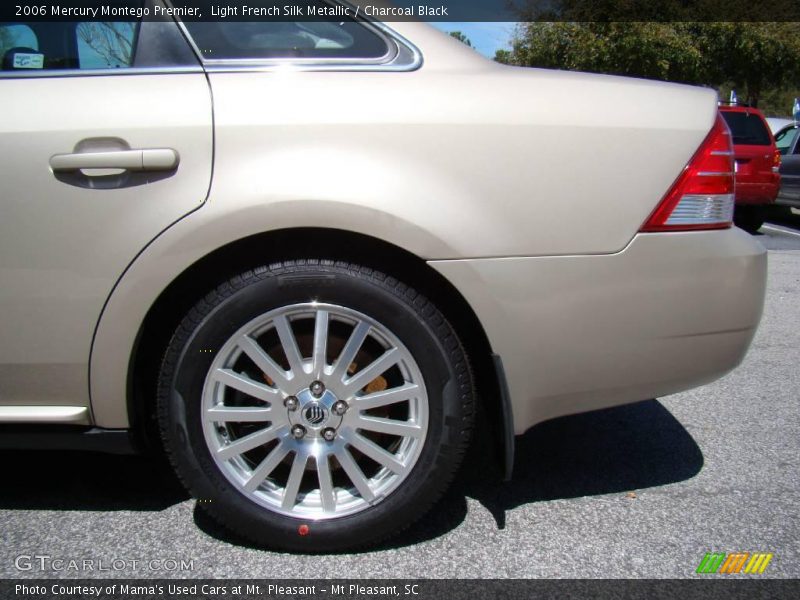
[(291, 403), (317, 388), (340, 407), (298, 432), (329, 434)]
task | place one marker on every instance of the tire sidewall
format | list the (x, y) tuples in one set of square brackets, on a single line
[(409, 316)]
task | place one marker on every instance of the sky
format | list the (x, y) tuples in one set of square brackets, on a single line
[(485, 37)]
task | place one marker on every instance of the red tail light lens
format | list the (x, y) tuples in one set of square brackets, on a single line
[(776, 161), (703, 195)]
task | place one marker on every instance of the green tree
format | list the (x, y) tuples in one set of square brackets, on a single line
[(503, 56), (754, 58), (662, 11), (652, 50), (461, 38)]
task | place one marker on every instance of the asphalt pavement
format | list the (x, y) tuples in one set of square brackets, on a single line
[(639, 491)]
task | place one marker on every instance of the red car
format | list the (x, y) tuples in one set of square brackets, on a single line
[(757, 164)]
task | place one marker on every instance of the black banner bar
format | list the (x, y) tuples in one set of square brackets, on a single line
[(730, 588), (405, 10)]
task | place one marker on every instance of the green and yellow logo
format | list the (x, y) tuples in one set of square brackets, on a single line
[(737, 562)]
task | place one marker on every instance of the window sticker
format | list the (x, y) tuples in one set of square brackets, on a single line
[(27, 60)]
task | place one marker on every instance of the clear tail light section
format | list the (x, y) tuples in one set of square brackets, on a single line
[(703, 195)]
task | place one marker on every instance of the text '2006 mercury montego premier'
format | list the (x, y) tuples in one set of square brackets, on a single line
[(302, 255)]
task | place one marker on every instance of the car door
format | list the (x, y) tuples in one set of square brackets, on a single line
[(106, 140), (790, 166)]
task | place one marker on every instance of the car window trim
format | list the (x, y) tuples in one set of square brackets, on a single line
[(121, 72), (174, 69)]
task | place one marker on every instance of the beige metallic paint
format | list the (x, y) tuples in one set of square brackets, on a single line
[(438, 161), (62, 415), (62, 247), (670, 312)]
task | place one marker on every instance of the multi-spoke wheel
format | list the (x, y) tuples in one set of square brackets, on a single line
[(322, 436), (315, 406)]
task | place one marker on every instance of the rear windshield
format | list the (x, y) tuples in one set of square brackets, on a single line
[(748, 129)]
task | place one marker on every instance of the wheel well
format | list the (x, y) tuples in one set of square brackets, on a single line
[(207, 273)]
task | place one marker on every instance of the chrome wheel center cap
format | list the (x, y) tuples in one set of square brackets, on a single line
[(316, 414)]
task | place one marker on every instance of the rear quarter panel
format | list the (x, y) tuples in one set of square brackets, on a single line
[(460, 159)]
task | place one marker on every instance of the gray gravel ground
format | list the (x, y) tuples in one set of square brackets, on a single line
[(711, 469)]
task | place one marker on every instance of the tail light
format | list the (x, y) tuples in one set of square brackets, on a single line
[(703, 195), (776, 161)]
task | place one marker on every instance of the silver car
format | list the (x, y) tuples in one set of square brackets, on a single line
[(787, 139), (300, 255)]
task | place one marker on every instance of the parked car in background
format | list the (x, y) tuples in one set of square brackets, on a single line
[(298, 255), (787, 140), (757, 165), (778, 123)]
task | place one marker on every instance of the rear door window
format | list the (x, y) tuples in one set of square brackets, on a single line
[(39, 46), (341, 39), (748, 129)]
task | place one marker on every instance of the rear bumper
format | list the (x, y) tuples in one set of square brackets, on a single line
[(757, 193), (576, 333)]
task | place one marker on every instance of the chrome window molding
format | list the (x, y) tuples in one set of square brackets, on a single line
[(44, 73), (401, 54)]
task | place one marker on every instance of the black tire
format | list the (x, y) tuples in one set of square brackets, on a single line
[(411, 317), (749, 218), (779, 212)]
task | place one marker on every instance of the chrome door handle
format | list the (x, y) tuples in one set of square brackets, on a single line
[(157, 159)]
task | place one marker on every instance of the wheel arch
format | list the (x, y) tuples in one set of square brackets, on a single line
[(250, 252)]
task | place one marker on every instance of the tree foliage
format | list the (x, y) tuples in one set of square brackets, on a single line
[(754, 58), (663, 11), (461, 38)]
